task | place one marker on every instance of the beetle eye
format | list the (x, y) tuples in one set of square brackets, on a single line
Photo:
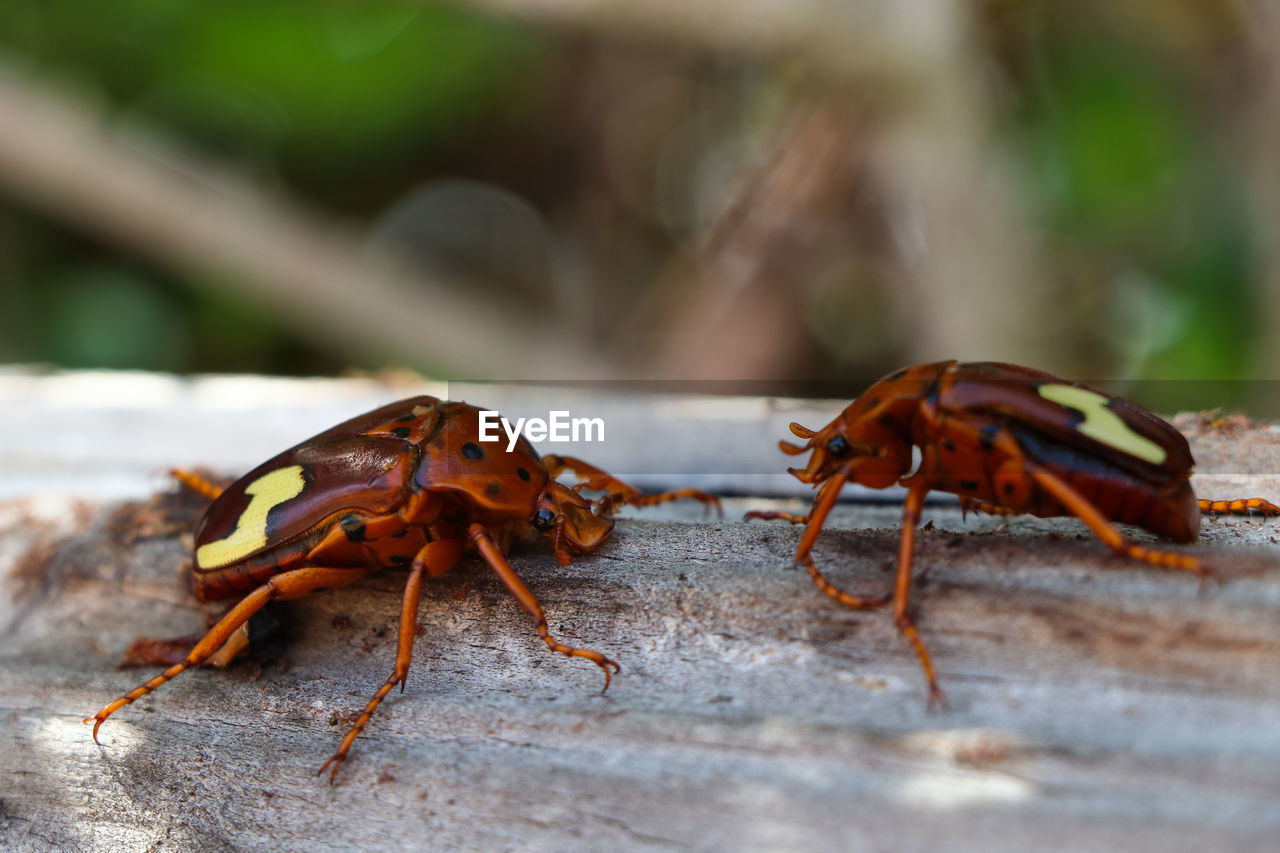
[(544, 519), (837, 446)]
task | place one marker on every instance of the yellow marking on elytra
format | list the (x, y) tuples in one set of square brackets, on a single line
[(268, 491), (1102, 424)]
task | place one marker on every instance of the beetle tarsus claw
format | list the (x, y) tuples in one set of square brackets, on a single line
[(336, 760), (604, 664), (97, 724)]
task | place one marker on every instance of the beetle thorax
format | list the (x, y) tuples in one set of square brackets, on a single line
[(499, 484)]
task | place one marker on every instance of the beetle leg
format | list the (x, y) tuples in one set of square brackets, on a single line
[(821, 508), (822, 504), (196, 483), (902, 584), (485, 545), (557, 465), (789, 517), (614, 500), (902, 588), (292, 584), (1076, 504), (434, 559), (1241, 506), (968, 505), (619, 493)]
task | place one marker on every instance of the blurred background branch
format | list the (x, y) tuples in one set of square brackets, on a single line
[(144, 195)]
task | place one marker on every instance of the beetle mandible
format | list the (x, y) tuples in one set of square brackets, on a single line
[(1006, 440), (407, 484)]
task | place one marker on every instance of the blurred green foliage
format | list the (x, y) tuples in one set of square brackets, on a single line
[(1141, 198), (345, 102), (321, 87)]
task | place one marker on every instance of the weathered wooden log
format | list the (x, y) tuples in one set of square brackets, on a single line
[(1093, 703)]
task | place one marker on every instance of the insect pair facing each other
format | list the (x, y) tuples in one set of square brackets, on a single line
[(408, 484), (1006, 440), (405, 485)]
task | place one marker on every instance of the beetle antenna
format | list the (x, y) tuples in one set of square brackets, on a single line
[(790, 449), (802, 431)]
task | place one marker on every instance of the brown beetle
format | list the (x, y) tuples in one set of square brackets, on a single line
[(409, 484), (1007, 440)]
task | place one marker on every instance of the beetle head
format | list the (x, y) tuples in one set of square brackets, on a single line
[(567, 519), (874, 460)]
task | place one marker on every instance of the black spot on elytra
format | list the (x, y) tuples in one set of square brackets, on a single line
[(887, 421), (524, 475), (353, 526), (471, 450), (948, 445), (400, 432), (1008, 488), (969, 485), (493, 489), (401, 533)]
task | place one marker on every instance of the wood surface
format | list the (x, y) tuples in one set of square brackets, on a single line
[(1094, 704)]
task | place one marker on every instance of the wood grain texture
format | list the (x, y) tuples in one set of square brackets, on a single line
[(1094, 704)]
